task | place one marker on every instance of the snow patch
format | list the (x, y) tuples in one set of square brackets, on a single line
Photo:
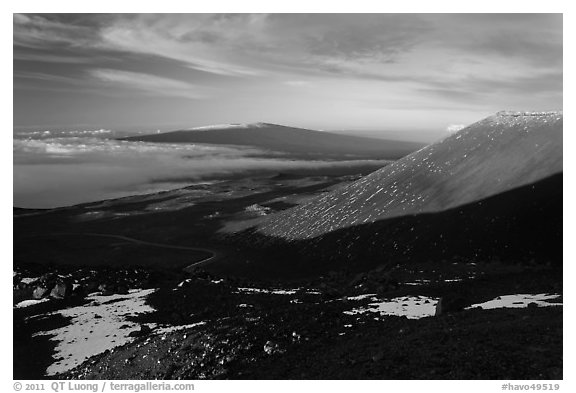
[(95, 327), (518, 301), (233, 126), (418, 282), (31, 302), (362, 297), (411, 307), (258, 210), (171, 329), (29, 280), (269, 291)]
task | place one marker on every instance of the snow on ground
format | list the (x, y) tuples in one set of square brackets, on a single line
[(276, 291), (519, 301), (412, 307), (258, 210), (31, 302), (271, 291), (417, 282), (416, 307), (95, 327), (221, 126), (29, 280), (362, 297), (170, 329)]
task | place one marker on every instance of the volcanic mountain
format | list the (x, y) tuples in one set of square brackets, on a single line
[(497, 154), (286, 139), (492, 191)]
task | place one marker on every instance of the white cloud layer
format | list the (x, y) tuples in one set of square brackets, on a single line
[(62, 171)]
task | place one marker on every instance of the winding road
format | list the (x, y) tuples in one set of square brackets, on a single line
[(215, 253)]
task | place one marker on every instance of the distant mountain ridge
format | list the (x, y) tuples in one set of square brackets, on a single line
[(286, 139)]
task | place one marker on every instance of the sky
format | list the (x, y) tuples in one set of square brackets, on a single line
[(413, 76)]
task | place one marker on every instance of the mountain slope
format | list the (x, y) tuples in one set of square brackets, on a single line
[(287, 139), (500, 153)]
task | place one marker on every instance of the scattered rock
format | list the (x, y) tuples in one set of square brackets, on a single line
[(40, 292), (271, 348)]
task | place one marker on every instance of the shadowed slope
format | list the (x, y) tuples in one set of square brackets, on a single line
[(287, 139), (517, 226), (494, 155)]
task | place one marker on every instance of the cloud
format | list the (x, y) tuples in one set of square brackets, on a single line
[(201, 41), (35, 31), (61, 171), (50, 58), (150, 84), (45, 77), (452, 128), (61, 133), (477, 62), (261, 44)]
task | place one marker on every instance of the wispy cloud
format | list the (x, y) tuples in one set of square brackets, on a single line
[(37, 31), (51, 58), (45, 77), (150, 84)]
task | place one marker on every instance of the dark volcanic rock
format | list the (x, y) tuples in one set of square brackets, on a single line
[(61, 290), (40, 292), (451, 303)]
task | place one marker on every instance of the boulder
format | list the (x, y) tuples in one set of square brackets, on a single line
[(40, 292), (106, 289), (61, 290)]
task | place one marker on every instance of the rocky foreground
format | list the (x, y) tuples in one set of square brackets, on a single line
[(442, 320)]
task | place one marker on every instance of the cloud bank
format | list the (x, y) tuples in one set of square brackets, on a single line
[(50, 172)]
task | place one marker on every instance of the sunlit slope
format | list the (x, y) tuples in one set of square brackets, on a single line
[(494, 155), (286, 139)]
